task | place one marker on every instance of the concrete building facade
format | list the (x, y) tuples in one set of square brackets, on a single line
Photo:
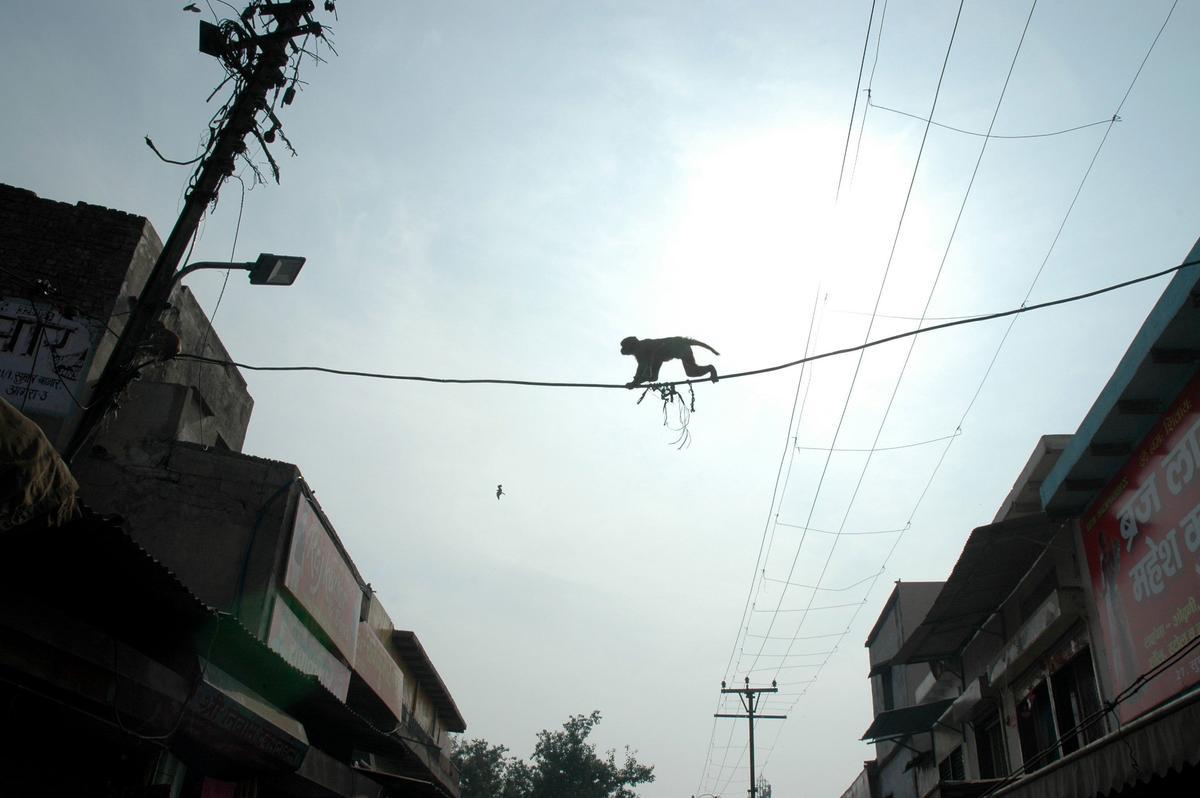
[(1065, 639), (900, 757), (331, 697)]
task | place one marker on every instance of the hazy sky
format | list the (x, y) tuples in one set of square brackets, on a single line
[(508, 189)]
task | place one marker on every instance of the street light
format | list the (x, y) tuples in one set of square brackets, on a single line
[(267, 270)]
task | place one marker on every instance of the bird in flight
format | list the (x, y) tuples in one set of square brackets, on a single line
[(499, 492)]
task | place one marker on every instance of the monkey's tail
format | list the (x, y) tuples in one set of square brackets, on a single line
[(694, 342)]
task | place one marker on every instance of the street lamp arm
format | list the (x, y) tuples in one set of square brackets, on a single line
[(267, 270), (209, 264)]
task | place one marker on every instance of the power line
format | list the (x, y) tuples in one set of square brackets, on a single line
[(945, 451), (928, 301), (817, 587), (774, 520), (905, 318), (870, 84), (819, 609), (772, 515), (237, 229), (850, 534), (809, 637), (878, 448), (875, 308), (991, 135), (854, 106)]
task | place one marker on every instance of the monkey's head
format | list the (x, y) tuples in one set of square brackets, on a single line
[(628, 345)]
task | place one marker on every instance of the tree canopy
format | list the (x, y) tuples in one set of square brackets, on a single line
[(564, 765)]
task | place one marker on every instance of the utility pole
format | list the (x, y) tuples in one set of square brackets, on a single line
[(266, 59), (750, 697)]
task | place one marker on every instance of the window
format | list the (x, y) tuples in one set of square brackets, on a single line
[(1050, 718), (1076, 698), (951, 768), (989, 743), (889, 693), (1035, 726)]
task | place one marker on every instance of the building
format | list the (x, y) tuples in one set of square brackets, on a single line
[(1066, 635), (1008, 643), (900, 756), (1126, 485), (207, 632)]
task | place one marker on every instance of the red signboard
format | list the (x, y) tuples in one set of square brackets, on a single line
[(1142, 540), (318, 576)]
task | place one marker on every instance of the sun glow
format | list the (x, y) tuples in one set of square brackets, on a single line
[(757, 231)]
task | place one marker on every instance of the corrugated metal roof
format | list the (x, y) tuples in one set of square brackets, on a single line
[(108, 579), (993, 561), (413, 652), (905, 721)]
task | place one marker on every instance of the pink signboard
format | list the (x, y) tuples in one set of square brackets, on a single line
[(1142, 540), (377, 668), (319, 578), (290, 639)]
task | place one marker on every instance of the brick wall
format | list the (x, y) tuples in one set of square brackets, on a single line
[(94, 262), (83, 251)]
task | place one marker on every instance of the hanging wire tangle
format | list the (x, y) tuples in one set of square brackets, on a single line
[(668, 395), (724, 377), (236, 44)]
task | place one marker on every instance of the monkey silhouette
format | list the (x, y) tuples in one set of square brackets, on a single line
[(499, 492), (651, 353)]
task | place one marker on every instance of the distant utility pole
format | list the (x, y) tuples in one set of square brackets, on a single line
[(265, 60), (750, 697)]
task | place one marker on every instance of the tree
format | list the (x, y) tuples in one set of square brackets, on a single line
[(482, 768), (564, 765)]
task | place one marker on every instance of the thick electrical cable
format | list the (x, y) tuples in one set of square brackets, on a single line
[(766, 370)]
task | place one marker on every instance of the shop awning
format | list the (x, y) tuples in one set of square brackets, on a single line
[(993, 561), (1153, 745), (109, 581), (405, 785), (906, 721), (1156, 367), (235, 732)]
